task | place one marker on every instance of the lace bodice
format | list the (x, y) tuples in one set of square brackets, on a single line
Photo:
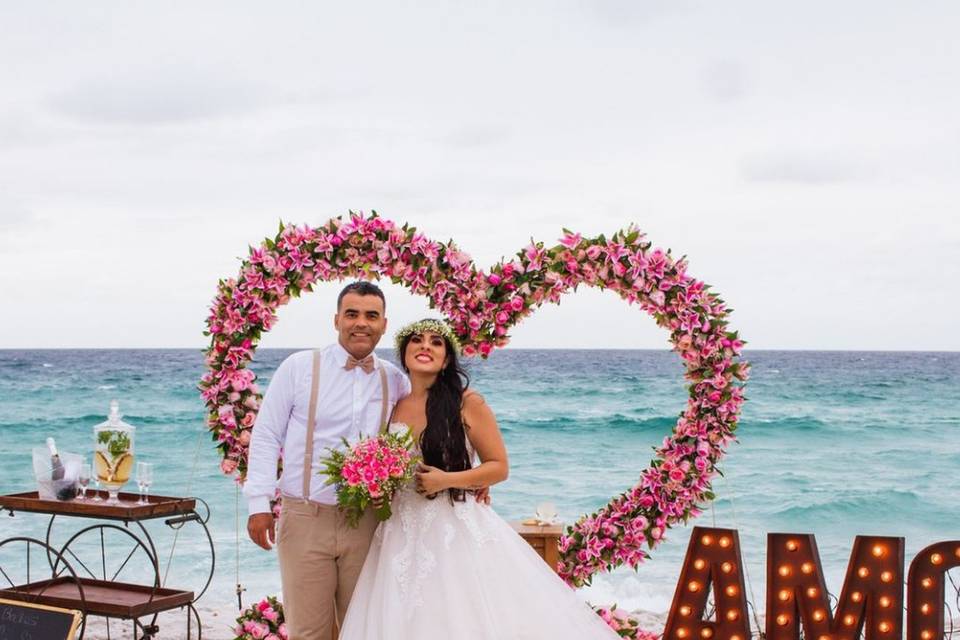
[(400, 427)]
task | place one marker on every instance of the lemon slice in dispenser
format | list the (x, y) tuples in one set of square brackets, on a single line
[(123, 467), (103, 467)]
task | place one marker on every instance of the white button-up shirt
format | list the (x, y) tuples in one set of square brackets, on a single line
[(348, 406)]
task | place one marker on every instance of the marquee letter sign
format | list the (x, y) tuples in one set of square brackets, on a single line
[(871, 600), (925, 590), (713, 559), (870, 603)]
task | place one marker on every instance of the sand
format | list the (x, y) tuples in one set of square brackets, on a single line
[(218, 623)]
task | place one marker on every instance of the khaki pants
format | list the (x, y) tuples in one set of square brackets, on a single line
[(320, 561)]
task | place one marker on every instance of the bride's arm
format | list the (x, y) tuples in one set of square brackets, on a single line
[(484, 435)]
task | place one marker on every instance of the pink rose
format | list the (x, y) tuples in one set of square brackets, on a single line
[(244, 438), (228, 466)]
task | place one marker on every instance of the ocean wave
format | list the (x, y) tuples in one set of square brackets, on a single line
[(790, 423), (855, 394), (614, 421), (852, 508), (106, 387)]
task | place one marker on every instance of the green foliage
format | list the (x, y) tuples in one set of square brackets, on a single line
[(117, 442)]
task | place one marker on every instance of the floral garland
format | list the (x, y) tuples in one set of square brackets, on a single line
[(422, 326), (482, 306)]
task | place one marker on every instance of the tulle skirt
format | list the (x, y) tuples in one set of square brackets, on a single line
[(442, 571)]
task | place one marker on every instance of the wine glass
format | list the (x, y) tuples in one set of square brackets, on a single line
[(96, 493), (84, 479), (546, 513), (144, 480)]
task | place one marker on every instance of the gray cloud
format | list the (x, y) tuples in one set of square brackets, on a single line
[(723, 81), (624, 13), (472, 136), (805, 167), (14, 218), (19, 131), (157, 97)]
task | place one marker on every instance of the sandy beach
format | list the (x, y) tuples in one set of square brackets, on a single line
[(219, 620)]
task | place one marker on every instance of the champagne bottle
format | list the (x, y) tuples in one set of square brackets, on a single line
[(55, 462)]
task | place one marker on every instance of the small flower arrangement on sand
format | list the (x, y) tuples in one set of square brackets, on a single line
[(624, 623), (262, 621)]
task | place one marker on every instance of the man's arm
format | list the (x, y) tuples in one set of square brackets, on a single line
[(266, 441)]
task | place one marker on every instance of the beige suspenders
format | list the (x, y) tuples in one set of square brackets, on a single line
[(311, 424), (383, 402), (312, 418)]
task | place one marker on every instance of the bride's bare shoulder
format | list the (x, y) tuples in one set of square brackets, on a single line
[(472, 398)]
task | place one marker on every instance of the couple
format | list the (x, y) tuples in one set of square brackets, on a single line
[(445, 565)]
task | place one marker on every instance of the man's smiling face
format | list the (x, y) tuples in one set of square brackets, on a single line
[(361, 322)]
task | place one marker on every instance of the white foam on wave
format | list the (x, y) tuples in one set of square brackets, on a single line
[(107, 387), (47, 365), (629, 592)]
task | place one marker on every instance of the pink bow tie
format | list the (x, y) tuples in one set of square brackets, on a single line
[(365, 363)]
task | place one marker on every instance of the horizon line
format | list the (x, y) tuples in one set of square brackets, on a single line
[(745, 350)]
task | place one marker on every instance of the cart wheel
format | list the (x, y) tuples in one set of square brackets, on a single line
[(16, 576), (189, 521), (111, 553)]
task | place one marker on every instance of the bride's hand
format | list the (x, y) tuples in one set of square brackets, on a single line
[(430, 480)]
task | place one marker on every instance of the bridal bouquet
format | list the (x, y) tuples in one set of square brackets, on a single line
[(370, 472)]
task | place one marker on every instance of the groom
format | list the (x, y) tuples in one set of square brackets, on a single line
[(314, 399)]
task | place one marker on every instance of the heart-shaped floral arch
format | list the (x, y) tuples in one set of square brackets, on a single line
[(482, 307)]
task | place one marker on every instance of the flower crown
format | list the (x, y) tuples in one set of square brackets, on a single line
[(421, 326)]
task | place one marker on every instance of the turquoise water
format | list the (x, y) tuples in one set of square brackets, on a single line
[(832, 443)]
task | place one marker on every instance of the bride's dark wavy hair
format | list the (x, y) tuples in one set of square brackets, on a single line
[(443, 442)]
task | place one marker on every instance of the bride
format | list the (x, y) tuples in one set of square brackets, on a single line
[(445, 566)]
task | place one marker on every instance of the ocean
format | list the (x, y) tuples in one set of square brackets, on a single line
[(830, 443)]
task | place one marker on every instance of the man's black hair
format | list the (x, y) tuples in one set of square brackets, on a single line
[(362, 288)]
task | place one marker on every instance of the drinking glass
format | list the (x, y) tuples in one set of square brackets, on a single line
[(546, 513), (144, 480), (84, 479), (96, 493)]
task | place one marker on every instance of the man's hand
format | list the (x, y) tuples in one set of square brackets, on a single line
[(482, 495), (261, 527)]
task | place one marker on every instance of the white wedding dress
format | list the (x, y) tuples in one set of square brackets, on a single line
[(437, 570)]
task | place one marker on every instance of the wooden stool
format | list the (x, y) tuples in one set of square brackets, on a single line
[(544, 539)]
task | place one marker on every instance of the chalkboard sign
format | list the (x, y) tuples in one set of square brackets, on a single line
[(25, 621)]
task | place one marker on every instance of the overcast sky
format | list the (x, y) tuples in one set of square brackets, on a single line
[(804, 155)]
